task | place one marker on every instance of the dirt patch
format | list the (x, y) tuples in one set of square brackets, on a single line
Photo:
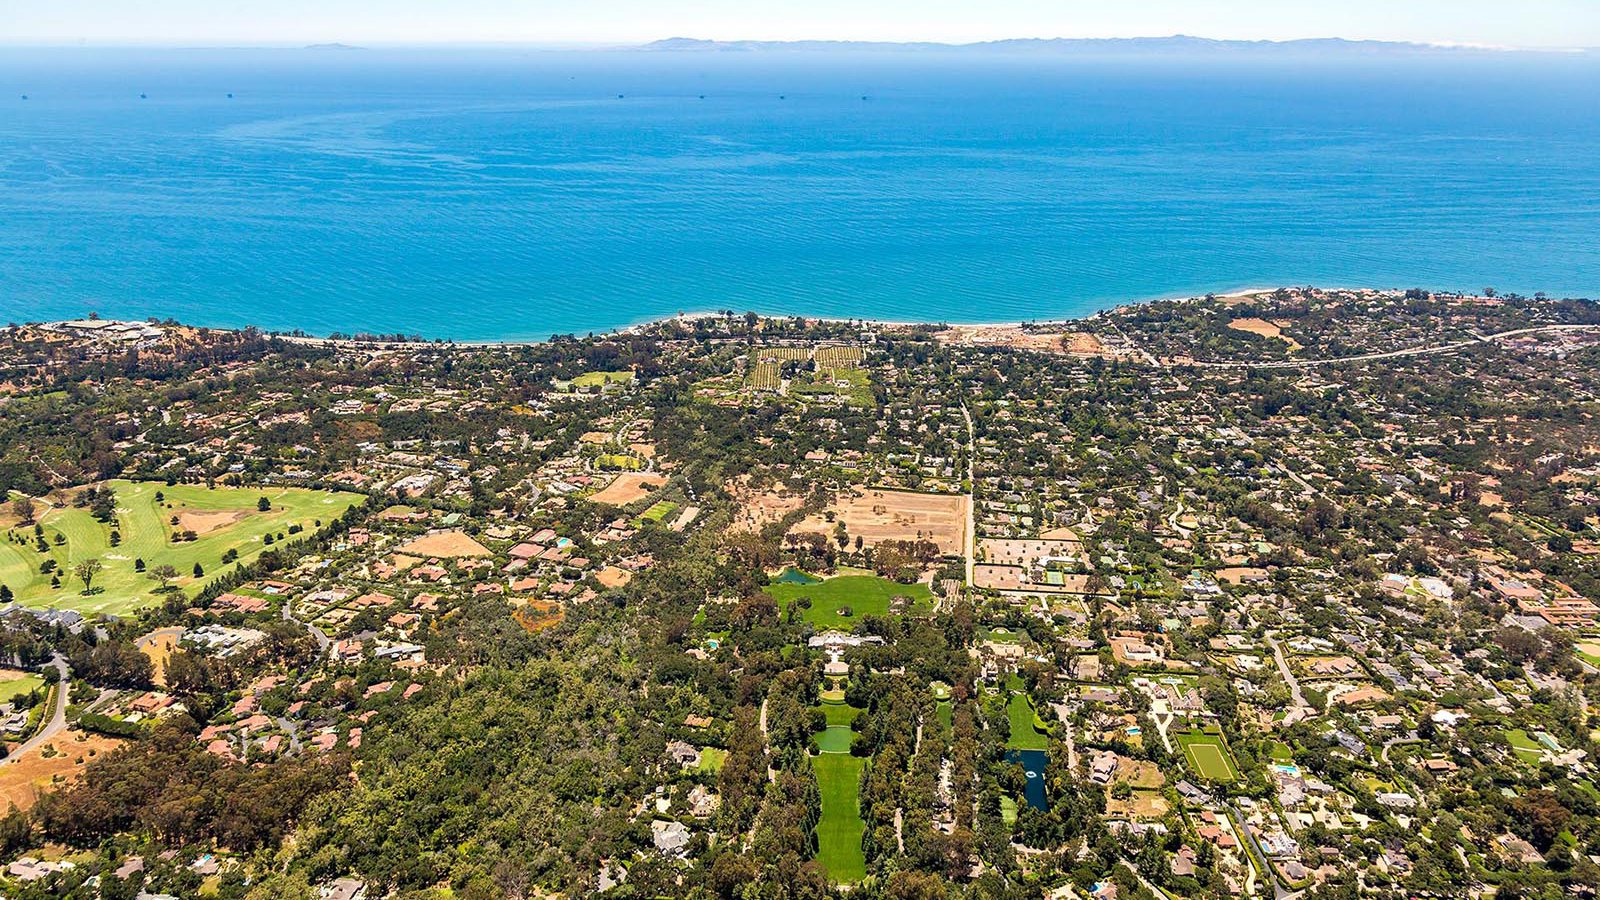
[(24, 777), (878, 515), (1264, 328), (1013, 337), (628, 487), (613, 577), (206, 521), (1139, 805), (758, 509), (1140, 773), (159, 645), (444, 543)]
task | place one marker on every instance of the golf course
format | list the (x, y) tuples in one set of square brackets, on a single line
[(221, 519)]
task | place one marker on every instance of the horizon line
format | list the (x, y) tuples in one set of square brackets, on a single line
[(65, 43)]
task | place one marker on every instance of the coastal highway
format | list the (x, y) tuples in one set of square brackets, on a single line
[(1426, 350)]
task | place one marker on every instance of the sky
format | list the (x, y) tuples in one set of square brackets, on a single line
[(1506, 23)]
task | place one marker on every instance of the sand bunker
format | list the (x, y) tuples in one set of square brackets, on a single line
[(207, 521)]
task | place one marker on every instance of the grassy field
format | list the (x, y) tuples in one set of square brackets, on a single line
[(1208, 756), (659, 511), (865, 595), (224, 519), (1524, 746), (14, 684), (1025, 733), (619, 462), (853, 385), (711, 759), (599, 379), (839, 778)]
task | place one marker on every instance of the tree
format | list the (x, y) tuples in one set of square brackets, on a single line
[(86, 571), (264, 504), (199, 571), (5, 593), (24, 509), (163, 576)]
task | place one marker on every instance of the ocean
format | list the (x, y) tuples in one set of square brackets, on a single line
[(515, 194)]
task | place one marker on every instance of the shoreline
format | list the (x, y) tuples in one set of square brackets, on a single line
[(640, 327)]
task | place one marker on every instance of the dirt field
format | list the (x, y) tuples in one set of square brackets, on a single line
[(1139, 805), (1264, 328), (1010, 552), (158, 645), (757, 510), (207, 521), (22, 778), (444, 543), (613, 577), (878, 515), (596, 437), (1141, 773), (1015, 338), (628, 488), (1010, 578)]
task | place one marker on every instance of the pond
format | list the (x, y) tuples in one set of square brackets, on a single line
[(1033, 764), (791, 575)]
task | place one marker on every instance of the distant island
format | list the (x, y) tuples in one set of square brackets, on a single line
[(1153, 45)]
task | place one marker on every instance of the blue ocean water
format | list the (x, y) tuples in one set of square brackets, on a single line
[(513, 194)]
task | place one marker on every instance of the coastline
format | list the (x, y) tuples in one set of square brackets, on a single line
[(368, 340), (640, 327)]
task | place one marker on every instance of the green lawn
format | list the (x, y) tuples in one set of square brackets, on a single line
[(1525, 747), (865, 595), (1025, 733), (146, 534), (1207, 755), (597, 379), (660, 511), (835, 739), (711, 759), (839, 832), (13, 688), (856, 389)]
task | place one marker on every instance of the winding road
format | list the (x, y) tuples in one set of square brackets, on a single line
[(58, 716)]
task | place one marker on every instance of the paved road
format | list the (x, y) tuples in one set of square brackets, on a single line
[(1279, 892), (1300, 704), (58, 716), (972, 499), (323, 641)]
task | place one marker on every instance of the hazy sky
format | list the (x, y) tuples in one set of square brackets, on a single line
[(1527, 23)]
